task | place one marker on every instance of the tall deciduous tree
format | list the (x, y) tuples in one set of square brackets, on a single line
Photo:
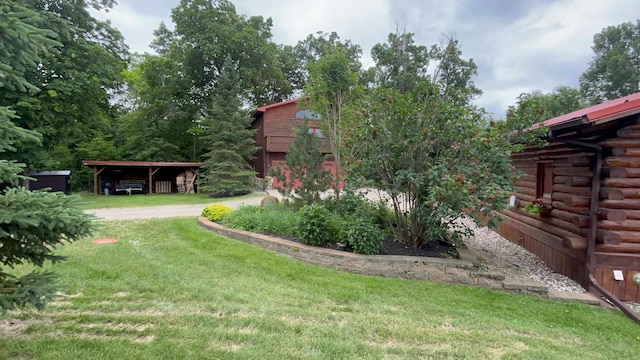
[(332, 79), (296, 59), (614, 70), (227, 171), (78, 81), (174, 89), (32, 224), (454, 74), (400, 63)]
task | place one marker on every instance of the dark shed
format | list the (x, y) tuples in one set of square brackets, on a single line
[(56, 180)]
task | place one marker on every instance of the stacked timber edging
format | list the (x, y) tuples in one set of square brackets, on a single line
[(560, 238)]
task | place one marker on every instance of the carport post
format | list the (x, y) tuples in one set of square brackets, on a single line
[(96, 179)]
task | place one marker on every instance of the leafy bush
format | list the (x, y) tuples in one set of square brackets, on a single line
[(216, 212), (313, 224), (336, 224), (362, 235), (269, 219), (354, 204)]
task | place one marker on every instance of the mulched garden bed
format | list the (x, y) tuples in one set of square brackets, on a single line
[(438, 248)]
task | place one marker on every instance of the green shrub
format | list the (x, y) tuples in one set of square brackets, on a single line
[(270, 219), (336, 224), (313, 224), (362, 235), (216, 212)]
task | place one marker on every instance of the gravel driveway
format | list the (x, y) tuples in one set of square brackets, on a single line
[(165, 211)]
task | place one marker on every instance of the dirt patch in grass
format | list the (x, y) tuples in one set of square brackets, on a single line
[(14, 327)]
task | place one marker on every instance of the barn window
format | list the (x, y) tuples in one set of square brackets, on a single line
[(307, 114), (544, 181), (315, 131)]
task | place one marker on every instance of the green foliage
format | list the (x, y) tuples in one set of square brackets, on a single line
[(216, 212), (435, 157), (296, 59), (307, 178), (270, 219), (362, 235), (562, 100), (32, 224), (400, 63), (82, 77), (329, 89), (614, 70), (227, 171), (313, 224)]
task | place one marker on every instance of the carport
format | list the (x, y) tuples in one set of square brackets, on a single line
[(152, 176)]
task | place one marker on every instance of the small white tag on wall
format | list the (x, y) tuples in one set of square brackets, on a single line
[(617, 275), (512, 201)]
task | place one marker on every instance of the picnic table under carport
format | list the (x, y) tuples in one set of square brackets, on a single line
[(139, 176)]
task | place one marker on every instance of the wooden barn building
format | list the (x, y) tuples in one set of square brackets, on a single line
[(274, 126), (588, 179)]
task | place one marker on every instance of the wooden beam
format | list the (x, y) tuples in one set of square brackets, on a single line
[(95, 180), (150, 185)]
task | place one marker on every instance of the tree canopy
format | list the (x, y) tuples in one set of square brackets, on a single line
[(615, 68)]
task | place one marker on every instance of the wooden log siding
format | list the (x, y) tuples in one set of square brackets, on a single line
[(563, 234), (619, 193), (620, 172), (574, 181), (620, 151)]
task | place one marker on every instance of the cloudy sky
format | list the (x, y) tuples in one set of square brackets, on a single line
[(518, 46)]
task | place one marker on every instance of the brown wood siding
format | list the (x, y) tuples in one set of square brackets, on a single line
[(258, 163), (278, 143), (280, 120)]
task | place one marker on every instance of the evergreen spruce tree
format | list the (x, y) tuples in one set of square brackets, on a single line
[(32, 224), (227, 171), (304, 159)]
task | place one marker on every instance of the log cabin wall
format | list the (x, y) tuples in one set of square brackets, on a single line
[(557, 238), (560, 238), (618, 245)]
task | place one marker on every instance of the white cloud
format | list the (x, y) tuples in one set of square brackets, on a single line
[(136, 27)]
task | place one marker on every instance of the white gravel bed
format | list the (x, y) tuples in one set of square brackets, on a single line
[(505, 256)]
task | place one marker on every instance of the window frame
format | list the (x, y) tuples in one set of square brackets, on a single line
[(544, 180)]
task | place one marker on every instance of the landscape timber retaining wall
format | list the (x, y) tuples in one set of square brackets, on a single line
[(457, 271)]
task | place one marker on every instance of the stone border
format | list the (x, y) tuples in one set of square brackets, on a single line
[(457, 271)]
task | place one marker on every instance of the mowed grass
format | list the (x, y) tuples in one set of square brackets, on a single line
[(90, 201), (170, 290)]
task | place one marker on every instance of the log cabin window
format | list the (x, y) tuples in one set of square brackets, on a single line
[(544, 181)]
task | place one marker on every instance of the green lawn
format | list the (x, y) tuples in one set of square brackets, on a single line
[(169, 289), (90, 201)]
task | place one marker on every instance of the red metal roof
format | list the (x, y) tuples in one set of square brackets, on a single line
[(141, 163), (262, 109), (266, 107), (597, 114)]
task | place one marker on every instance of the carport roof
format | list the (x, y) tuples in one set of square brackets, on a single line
[(141, 163)]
